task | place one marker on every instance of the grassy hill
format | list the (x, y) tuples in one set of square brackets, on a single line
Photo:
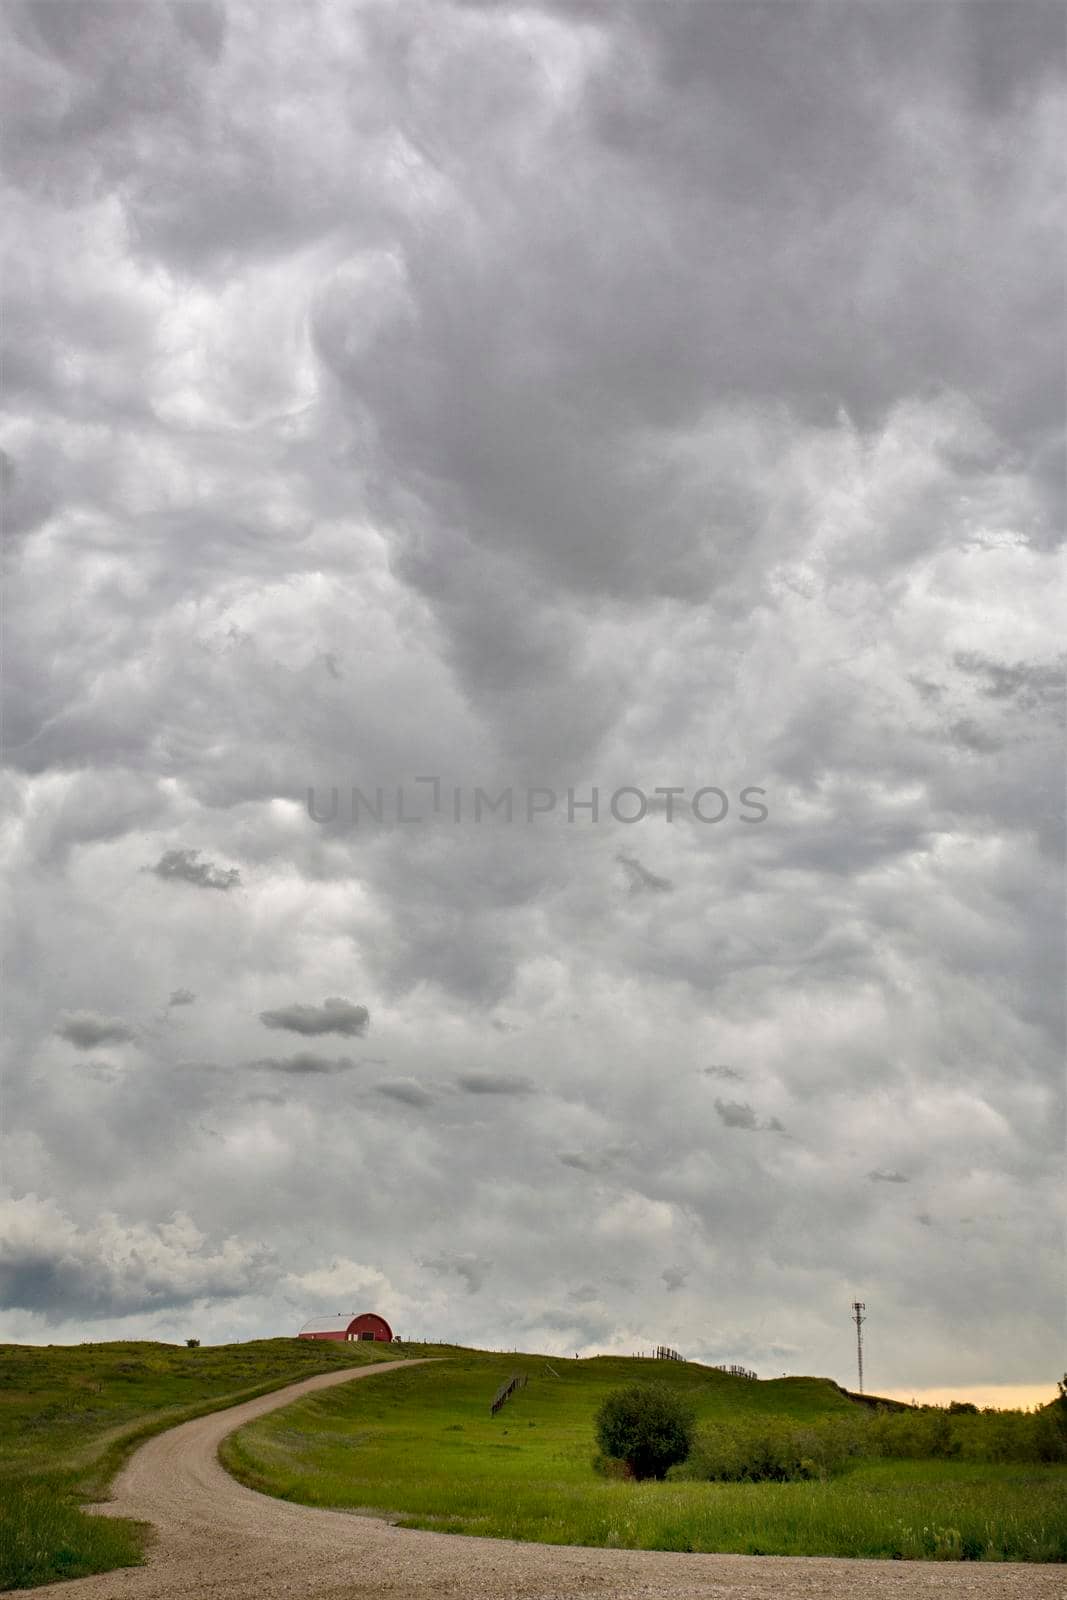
[(423, 1441), (71, 1414), (421, 1445)]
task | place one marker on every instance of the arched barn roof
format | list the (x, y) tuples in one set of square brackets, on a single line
[(370, 1323), (328, 1324)]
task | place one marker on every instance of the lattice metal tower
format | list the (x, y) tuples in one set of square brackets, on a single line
[(859, 1318)]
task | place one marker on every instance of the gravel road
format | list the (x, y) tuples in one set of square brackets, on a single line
[(217, 1540)]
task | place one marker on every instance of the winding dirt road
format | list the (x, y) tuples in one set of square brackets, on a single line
[(220, 1541)]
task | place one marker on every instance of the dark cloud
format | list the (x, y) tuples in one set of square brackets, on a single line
[(736, 1114), (970, 735), (584, 1293), (495, 1083), (879, 1176), (472, 1269), (407, 1091), (642, 881), (304, 1064), (86, 1029), (739, 1114), (335, 1015), (1030, 683), (185, 866), (675, 1278), (592, 1161), (181, 997)]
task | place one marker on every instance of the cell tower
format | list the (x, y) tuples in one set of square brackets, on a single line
[(859, 1318)]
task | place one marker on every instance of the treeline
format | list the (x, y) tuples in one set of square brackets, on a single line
[(780, 1450)]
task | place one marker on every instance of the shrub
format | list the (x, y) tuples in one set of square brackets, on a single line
[(964, 1433), (648, 1426), (776, 1450)]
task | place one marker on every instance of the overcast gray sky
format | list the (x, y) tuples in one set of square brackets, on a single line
[(544, 396)]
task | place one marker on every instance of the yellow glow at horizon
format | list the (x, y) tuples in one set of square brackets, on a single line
[(1005, 1396)]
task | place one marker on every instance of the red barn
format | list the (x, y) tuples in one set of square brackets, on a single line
[(346, 1328)]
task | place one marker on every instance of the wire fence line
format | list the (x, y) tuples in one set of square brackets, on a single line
[(506, 1390)]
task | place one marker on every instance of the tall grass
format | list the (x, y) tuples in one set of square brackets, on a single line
[(43, 1535)]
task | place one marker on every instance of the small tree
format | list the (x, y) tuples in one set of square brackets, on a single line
[(192, 1344), (648, 1425)]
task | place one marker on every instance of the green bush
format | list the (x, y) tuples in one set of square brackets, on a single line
[(648, 1426), (779, 1450), (934, 1432), (775, 1450)]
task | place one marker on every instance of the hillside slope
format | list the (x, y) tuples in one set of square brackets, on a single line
[(71, 1414), (421, 1445)]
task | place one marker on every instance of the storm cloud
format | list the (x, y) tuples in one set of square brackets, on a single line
[(85, 1030), (494, 1083), (469, 1268), (406, 1091), (553, 399), (52, 1265), (739, 1114), (641, 880), (187, 867), (592, 1161), (333, 1016), (304, 1064)]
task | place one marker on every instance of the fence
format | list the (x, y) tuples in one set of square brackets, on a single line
[(506, 1390), (736, 1371), (665, 1353)]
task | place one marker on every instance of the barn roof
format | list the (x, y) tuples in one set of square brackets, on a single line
[(338, 1324)]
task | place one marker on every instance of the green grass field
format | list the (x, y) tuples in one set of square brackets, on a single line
[(421, 1446), (70, 1415)]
